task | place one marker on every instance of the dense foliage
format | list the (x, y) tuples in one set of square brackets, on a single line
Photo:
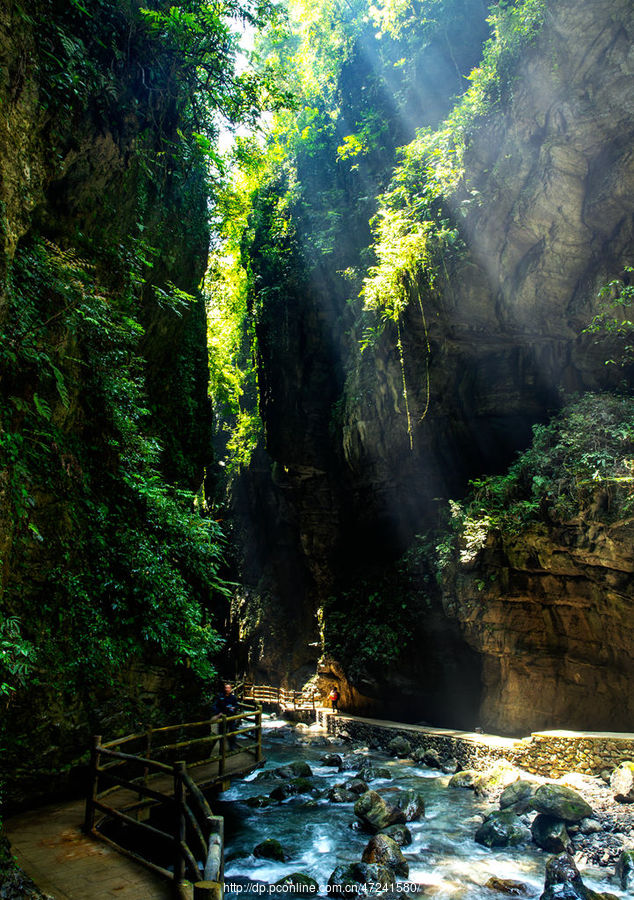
[(580, 464)]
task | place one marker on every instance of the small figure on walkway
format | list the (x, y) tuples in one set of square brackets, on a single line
[(333, 696), (226, 705)]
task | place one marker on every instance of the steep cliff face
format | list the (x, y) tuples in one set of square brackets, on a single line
[(545, 211), (103, 361)]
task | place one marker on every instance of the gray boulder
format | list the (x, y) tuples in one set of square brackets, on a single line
[(383, 851), (375, 814), (563, 882), (332, 760), (399, 746), (622, 782), (340, 794), (561, 802), (357, 786), (502, 828), (550, 834)]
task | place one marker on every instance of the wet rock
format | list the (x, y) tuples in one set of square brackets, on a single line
[(502, 828), (563, 882), (412, 803), (622, 782), (589, 826), (400, 834), (508, 886), (259, 801), (550, 834), (429, 758), (343, 880), (291, 788), (383, 772), (561, 802), (384, 851), (498, 776), (399, 746), (270, 849), (375, 814), (339, 794), (625, 870), (518, 795), (450, 766), (333, 760), (357, 786), (299, 769), (304, 883), (464, 779), (368, 772)]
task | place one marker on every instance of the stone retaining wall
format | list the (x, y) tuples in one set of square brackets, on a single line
[(550, 754)]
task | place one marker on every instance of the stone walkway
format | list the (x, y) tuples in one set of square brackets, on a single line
[(51, 848)]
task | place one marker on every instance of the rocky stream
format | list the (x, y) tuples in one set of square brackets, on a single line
[(335, 818)]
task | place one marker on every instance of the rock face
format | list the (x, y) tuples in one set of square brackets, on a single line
[(548, 641)]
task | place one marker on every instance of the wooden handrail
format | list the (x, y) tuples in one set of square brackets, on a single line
[(193, 819)]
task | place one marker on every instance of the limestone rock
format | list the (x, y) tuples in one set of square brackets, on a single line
[(561, 802), (622, 782), (384, 851)]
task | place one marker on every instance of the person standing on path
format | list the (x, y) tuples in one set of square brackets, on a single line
[(333, 696)]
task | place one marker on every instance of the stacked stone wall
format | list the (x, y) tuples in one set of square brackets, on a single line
[(549, 754)]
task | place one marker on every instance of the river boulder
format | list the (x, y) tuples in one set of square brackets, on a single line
[(400, 834), (518, 795), (383, 851), (345, 879), (550, 834), (291, 788), (340, 794), (304, 883), (357, 786), (622, 782), (375, 814), (561, 802), (399, 746), (464, 779), (563, 881), (332, 760), (508, 886), (625, 870), (270, 849), (502, 828), (412, 803), (497, 777)]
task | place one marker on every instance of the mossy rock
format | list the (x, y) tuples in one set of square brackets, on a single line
[(625, 869), (412, 803), (464, 779), (375, 814), (400, 834), (270, 849), (259, 801), (518, 795), (345, 880), (561, 802), (502, 828), (304, 883), (384, 851)]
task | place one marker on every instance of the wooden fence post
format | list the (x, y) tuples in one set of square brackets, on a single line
[(222, 762), (180, 825), (258, 733), (89, 820)]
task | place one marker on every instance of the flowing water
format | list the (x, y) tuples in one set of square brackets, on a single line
[(319, 834)]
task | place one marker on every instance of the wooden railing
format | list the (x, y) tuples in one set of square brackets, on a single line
[(264, 693), (143, 772)]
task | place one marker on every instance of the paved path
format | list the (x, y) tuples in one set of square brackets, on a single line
[(51, 848)]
